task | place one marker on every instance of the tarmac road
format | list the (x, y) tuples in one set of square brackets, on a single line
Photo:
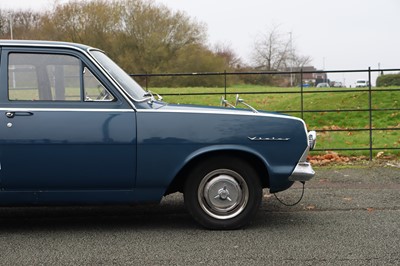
[(347, 217)]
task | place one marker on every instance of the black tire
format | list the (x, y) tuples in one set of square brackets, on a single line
[(223, 193)]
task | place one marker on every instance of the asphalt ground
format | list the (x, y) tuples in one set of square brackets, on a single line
[(348, 216)]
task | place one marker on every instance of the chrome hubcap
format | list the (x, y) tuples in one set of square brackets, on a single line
[(223, 194)]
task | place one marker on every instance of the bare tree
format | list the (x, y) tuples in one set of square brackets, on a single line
[(232, 60), (18, 24), (299, 61), (271, 50), (275, 51)]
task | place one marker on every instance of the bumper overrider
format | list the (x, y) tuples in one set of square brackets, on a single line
[(303, 170)]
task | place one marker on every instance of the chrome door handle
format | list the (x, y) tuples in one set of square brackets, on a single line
[(18, 113)]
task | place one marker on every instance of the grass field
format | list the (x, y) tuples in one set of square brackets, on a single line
[(325, 107)]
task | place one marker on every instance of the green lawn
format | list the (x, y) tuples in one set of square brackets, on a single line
[(288, 100)]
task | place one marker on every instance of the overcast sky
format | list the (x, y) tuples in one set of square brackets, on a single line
[(336, 34)]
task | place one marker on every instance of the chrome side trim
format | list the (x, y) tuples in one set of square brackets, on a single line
[(65, 110), (221, 112)]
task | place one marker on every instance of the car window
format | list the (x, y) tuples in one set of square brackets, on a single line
[(52, 77), (94, 90), (121, 77)]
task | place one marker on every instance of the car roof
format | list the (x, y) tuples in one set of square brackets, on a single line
[(37, 43)]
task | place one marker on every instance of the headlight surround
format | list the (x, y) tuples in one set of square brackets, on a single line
[(312, 139)]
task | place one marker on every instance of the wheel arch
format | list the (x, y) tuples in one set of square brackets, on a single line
[(252, 158)]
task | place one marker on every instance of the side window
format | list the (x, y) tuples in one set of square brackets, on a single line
[(43, 77), (52, 77), (94, 90)]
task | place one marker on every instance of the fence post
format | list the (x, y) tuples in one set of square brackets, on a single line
[(224, 84), (301, 93), (147, 82), (370, 113)]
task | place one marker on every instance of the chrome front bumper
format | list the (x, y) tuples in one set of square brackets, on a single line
[(303, 170)]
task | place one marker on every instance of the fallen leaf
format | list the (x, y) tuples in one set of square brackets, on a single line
[(370, 209), (348, 199)]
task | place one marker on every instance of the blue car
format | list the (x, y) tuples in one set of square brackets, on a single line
[(77, 130)]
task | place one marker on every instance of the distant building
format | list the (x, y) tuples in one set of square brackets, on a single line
[(311, 75)]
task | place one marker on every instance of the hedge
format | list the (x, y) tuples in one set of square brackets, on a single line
[(388, 80)]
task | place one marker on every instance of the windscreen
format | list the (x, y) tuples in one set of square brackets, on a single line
[(120, 76)]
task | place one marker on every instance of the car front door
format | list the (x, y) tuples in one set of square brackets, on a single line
[(63, 127)]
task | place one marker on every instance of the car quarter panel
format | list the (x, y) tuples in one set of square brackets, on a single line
[(168, 138)]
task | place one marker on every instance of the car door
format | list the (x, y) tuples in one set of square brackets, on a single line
[(63, 127)]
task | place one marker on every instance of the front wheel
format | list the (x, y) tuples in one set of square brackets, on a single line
[(223, 193)]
